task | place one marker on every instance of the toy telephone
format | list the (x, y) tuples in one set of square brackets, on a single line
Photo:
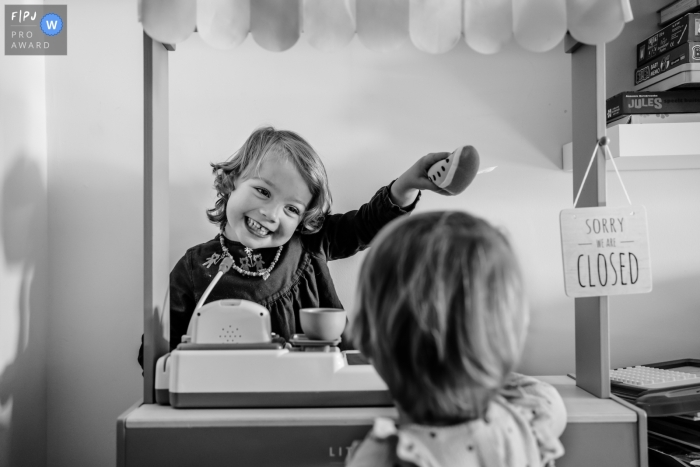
[(456, 172)]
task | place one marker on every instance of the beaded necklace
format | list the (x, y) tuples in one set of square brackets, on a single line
[(265, 273)]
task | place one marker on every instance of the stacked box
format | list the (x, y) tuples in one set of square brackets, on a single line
[(684, 77), (685, 29), (677, 9), (667, 102), (686, 53)]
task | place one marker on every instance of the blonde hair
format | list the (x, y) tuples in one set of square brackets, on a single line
[(261, 143), (441, 314)]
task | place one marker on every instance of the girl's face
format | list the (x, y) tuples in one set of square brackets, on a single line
[(265, 208)]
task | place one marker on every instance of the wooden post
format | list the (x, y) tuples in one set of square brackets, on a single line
[(155, 208), (588, 119)]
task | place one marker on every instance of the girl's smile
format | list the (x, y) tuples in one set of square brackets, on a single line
[(266, 206), (256, 229)]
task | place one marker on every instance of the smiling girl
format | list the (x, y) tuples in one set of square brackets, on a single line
[(273, 213)]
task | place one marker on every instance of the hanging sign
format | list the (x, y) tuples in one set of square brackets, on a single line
[(605, 251)]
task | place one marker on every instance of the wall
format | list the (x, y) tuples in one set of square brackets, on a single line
[(23, 260), (370, 116), (95, 138)]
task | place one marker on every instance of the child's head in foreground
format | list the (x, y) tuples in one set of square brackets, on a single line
[(274, 185), (441, 314)]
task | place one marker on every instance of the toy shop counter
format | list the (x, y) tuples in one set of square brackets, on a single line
[(600, 432)]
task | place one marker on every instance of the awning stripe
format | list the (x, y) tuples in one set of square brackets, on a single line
[(275, 23), (433, 26), (488, 24), (223, 24), (596, 21), (539, 25), (329, 25), (168, 21), (382, 25)]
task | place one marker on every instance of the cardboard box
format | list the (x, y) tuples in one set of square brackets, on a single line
[(676, 9), (685, 29), (684, 77), (669, 102), (685, 53)]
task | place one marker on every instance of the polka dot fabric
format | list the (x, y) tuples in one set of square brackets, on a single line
[(520, 429)]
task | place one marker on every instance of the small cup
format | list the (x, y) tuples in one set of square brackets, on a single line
[(324, 324)]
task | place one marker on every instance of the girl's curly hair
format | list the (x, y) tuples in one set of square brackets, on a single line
[(441, 312), (250, 157)]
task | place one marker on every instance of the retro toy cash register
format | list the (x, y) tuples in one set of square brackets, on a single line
[(231, 359)]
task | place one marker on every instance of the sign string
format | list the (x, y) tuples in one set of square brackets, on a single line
[(602, 142)]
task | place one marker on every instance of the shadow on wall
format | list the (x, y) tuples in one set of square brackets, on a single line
[(23, 381), (160, 324)]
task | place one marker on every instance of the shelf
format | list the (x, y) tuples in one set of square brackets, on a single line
[(650, 146)]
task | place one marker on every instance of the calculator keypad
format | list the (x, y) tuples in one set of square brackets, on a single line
[(652, 378)]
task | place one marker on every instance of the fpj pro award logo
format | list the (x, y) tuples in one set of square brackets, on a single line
[(36, 30)]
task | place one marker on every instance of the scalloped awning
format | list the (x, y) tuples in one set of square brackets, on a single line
[(433, 26)]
